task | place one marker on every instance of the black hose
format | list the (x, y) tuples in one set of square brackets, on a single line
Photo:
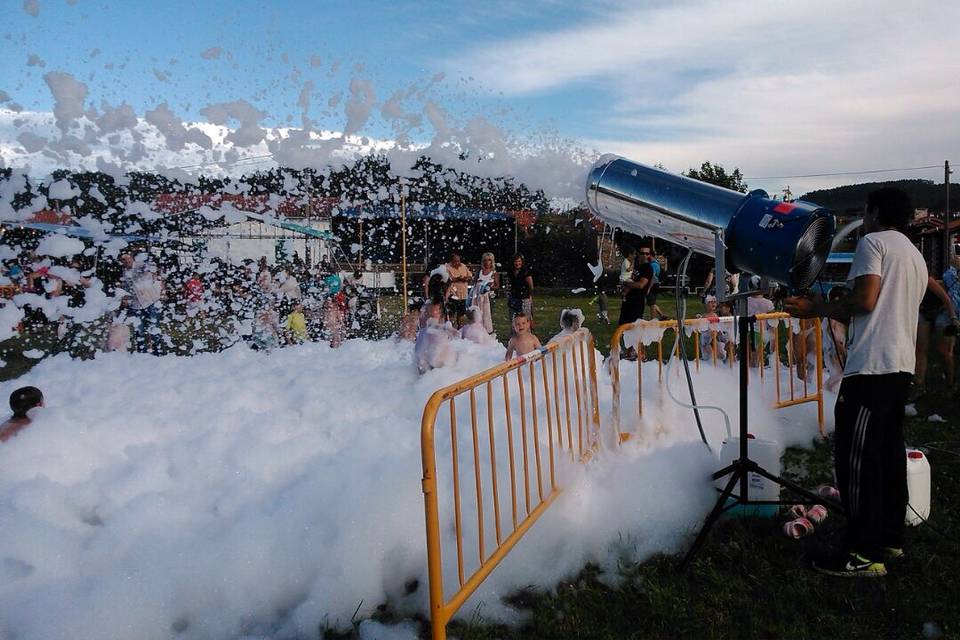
[(833, 337), (681, 316)]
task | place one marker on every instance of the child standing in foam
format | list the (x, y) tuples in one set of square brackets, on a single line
[(570, 322), (474, 330), (707, 337), (834, 343), (266, 330), (433, 348), (409, 323), (334, 326), (297, 324), (727, 333), (523, 340), (118, 334)]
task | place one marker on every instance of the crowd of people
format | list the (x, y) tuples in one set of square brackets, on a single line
[(150, 304), (458, 304)]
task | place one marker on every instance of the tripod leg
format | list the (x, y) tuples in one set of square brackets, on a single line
[(708, 523)]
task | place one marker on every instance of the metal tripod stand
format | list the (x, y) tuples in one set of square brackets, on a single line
[(740, 468)]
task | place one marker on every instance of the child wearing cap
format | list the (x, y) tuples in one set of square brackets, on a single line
[(21, 401)]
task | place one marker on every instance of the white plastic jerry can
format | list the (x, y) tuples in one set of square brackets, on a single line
[(918, 487), (765, 453)]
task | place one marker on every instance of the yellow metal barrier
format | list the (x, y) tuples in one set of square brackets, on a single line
[(794, 351), (566, 368)]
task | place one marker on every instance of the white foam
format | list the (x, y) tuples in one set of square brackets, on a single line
[(241, 493)]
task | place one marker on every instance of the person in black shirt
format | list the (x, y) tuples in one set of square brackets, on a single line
[(635, 290), (520, 297), (635, 294)]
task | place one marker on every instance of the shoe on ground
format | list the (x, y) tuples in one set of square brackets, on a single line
[(850, 565), (892, 553)]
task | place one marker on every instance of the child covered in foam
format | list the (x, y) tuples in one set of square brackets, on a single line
[(409, 323), (570, 322), (474, 331), (266, 330), (434, 346)]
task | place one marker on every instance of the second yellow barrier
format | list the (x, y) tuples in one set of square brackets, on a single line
[(780, 340)]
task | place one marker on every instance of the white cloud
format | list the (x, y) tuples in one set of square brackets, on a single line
[(772, 88)]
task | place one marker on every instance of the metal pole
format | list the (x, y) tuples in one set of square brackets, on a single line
[(946, 217), (403, 244), (515, 244), (746, 328)]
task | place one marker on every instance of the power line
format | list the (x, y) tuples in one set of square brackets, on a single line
[(845, 173), (226, 163)]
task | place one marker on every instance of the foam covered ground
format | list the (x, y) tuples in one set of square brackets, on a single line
[(264, 495)]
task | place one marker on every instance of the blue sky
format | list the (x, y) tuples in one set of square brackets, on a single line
[(773, 88)]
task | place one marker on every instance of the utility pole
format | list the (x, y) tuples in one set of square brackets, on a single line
[(403, 240), (516, 243), (946, 216)]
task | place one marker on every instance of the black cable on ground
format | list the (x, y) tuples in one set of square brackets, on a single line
[(927, 523)]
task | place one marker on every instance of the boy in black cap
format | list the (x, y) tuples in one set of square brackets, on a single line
[(21, 401)]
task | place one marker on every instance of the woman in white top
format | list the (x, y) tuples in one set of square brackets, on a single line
[(488, 281)]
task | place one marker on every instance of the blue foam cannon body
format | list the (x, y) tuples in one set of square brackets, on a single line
[(787, 242)]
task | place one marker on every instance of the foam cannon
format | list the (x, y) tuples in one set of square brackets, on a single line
[(786, 242)]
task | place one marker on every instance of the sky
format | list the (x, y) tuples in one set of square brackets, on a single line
[(774, 89)]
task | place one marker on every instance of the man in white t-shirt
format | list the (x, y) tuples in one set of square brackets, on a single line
[(888, 278)]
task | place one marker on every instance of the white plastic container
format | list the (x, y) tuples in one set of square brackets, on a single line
[(918, 487), (765, 453)]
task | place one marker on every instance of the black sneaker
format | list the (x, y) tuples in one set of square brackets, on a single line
[(851, 565)]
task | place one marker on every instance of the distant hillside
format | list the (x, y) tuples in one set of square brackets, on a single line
[(924, 193)]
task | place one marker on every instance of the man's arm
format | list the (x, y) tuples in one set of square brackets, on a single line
[(863, 299), (639, 283), (941, 293), (530, 284)]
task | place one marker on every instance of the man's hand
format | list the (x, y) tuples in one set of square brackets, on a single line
[(803, 306)]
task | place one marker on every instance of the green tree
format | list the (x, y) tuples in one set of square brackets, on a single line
[(715, 174)]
